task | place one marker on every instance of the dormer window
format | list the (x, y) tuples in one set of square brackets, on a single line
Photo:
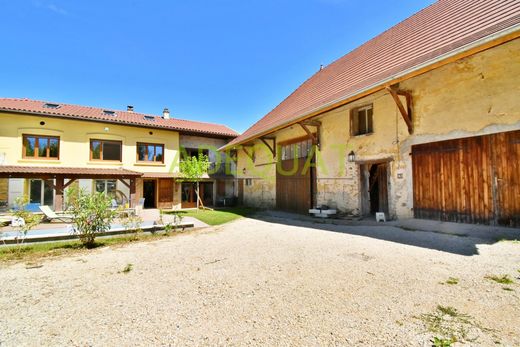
[(109, 113), (49, 105)]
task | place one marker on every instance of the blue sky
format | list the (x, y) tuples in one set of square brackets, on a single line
[(224, 61)]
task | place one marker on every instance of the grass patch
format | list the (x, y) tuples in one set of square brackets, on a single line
[(216, 217), (451, 281), (34, 251), (449, 325), (507, 289), (504, 279), (511, 241)]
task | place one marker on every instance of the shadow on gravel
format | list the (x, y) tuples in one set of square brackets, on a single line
[(462, 243)]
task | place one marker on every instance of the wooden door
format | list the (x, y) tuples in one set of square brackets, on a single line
[(294, 186), (165, 198), (469, 180), (506, 156), (188, 195)]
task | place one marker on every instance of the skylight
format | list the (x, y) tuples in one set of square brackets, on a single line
[(150, 118), (49, 105), (109, 113)]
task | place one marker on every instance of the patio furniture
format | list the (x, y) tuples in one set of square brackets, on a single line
[(52, 216), (323, 212)]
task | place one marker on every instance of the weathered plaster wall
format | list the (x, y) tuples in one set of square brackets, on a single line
[(474, 96)]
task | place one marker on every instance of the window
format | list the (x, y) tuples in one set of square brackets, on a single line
[(300, 149), (105, 150), (249, 182), (193, 152), (106, 186), (109, 113), (49, 105), (41, 147), (361, 121), (150, 152), (150, 118), (41, 192)]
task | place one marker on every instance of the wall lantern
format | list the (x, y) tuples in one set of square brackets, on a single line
[(244, 171), (352, 157)]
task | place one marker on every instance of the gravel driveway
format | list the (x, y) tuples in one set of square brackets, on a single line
[(258, 282)]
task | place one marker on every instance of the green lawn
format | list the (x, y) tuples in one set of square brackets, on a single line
[(216, 217), (52, 249)]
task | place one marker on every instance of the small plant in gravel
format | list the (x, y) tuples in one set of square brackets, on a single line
[(440, 342), (91, 214), (451, 325), (127, 268), (451, 281), (504, 279), (507, 289)]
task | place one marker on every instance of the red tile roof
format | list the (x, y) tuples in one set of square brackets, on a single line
[(97, 114), (436, 31), (13, 170)]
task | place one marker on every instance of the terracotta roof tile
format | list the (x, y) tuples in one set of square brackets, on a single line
[(56, 170), (29, 106), (443, 27)]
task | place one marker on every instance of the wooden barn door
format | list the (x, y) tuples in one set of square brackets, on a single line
[(294, 192), (469, 180), (506, 156)]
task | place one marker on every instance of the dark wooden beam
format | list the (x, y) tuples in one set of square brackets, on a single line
[(315, 137), (406, 113), (58, 193), (124, 182), (69, 183), (133, 195), (250, 155), (271, 148)]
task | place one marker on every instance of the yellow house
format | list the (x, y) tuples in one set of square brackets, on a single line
[(421, 121), (45, 147)]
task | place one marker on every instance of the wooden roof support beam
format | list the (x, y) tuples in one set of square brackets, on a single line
[(271, 148), (251, 155), (72, 180), (315, 137), (405, 113)]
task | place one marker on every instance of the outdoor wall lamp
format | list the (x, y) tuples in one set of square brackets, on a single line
[(244, 171), (352, 157)]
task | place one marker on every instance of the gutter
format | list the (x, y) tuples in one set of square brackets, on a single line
[(484, 43)]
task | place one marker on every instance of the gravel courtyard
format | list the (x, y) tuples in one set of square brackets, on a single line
[(261, 282)]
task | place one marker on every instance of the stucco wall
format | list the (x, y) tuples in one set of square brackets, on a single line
[(75, 142), (476, 95)]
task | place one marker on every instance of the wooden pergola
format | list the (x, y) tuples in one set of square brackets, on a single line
[(60, 174)]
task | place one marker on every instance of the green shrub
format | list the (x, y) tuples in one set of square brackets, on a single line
[(91, 214)]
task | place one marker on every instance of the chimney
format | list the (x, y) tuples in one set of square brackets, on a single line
[(166, 113), (321, 67), (130, 108)]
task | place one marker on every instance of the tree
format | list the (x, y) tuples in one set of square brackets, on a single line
[(91, 214), (192, 170)]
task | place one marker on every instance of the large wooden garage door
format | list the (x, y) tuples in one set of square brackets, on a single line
[(295, 181), (470, 180)]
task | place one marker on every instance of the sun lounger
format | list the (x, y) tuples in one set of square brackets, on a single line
[(52, 216)]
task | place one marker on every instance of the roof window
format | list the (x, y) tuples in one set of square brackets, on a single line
[(49, 105), (109, 113), (150, 118)]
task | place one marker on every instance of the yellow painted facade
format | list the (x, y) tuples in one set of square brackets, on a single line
[(75, 136), (474, 96)]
